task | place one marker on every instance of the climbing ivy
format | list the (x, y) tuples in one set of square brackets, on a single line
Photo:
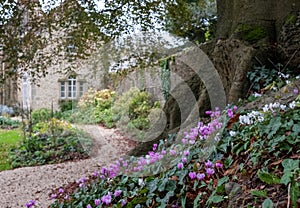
[(165, 78)]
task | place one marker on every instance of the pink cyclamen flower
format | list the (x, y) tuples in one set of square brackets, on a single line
[(186, 152), (117, 193), (230, 113), (210, 171), (53, 196), (219, 165), (209, 164), (89, 206), (103, 170), (192, 175), (97, 202), (172, 152), (184, 160), (208, 112), (192, 141), (81, 180), (296, 91), (30, 204), (200, 176), (180, 165), (184, 141), (106, 199), (96, 174), (154, 147), (124, 202), (60, 190)]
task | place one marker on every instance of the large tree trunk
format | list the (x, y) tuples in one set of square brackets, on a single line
[(260, 32), (250, 32)]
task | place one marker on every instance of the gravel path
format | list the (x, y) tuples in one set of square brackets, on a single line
[(20, 185)]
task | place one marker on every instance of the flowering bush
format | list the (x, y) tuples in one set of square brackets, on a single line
[(5, 110), (100, 98), (95, 107), (52, 126)]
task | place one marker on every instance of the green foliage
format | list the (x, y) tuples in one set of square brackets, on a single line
[(195, 20), (251, 33), (67, 105), (291, 174), (260, 77), (268, 203), (268, 178), (95, 107), (165, 78), (6, 122), (85, 26), (291, 19), (131, 111), (291, 167), (41, 115), (44, 148), (259, 193), (53, 126)]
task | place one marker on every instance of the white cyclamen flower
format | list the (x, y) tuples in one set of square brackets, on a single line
[(141, 182), (256, 94), (292, 105), (232, 133), (283, 107), (266, 108)]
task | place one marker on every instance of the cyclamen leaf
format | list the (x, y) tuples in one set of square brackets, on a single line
[(290, 164), (286, 178), (223, 180), (267, 203), (274, 125), (170, 186), (295, 194), (196, 201), (215, 199), (152, 185), (296, 128), (259, 193), (268, 178), (162, 185)]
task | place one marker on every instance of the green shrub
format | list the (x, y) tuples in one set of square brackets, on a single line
[(67, 105), (41, 115), (95, 107), (131, 111)]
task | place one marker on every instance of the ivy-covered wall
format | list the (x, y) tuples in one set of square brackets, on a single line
[(157, 80)]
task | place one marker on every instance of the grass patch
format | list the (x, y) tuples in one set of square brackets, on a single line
[(8, 139)]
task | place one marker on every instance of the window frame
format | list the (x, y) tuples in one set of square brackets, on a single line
[(72, 86)]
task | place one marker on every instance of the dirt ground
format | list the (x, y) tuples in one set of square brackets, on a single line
[(20, 185)]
